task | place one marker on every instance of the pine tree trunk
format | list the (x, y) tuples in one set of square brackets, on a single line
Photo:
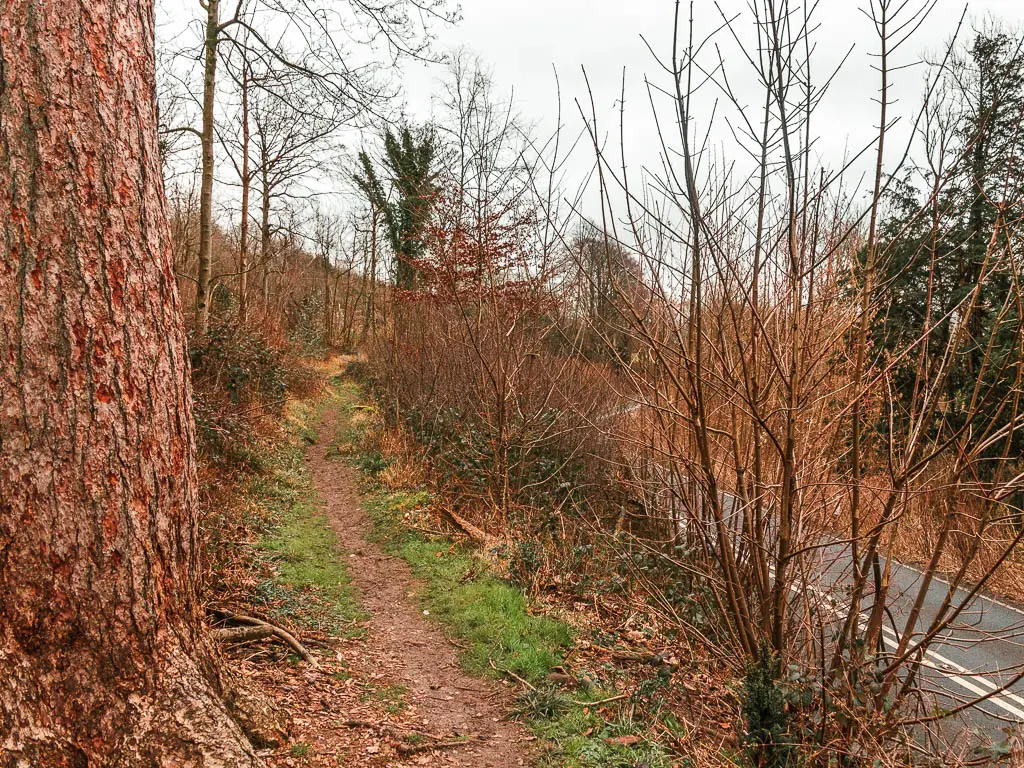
[(102, 662)]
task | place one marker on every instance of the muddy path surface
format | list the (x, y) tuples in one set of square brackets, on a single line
[(408, 649)]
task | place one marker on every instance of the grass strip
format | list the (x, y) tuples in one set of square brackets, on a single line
[(309, 583)]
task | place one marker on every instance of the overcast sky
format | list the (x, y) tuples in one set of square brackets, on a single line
[(526, 41)]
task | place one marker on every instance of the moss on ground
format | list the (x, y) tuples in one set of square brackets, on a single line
[(309, 561), (393, 697)]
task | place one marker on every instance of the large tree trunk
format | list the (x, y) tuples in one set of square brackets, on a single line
[(102, 662), (206, 185)]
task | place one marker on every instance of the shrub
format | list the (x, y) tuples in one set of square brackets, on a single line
[(766, 715), (505, 423), (241, 374)]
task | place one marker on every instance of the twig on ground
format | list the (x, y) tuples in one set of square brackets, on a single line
[(599, 703), (511, 674), (436, 741), (457, 644), (385, 727), (412, 749)]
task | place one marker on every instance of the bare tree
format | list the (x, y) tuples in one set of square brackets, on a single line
[(292, 145), (241, 145), (302, 38), (769, 437)]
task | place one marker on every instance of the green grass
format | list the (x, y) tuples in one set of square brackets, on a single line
[(490, 618), (393, 697), (310, 583), (490, 621), (579, 739), (309, 561)]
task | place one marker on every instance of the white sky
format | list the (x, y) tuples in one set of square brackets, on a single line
[(525, 41)]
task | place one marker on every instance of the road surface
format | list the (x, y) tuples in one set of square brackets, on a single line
[(980, 653)]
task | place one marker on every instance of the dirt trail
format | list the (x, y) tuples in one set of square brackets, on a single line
[(410, 649)]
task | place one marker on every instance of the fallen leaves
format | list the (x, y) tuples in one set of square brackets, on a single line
[(623, 741)]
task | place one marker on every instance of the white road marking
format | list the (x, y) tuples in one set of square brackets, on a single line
[(1007, 701), (967, 679)]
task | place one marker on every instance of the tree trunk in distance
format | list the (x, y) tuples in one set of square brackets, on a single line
[(243, 250), (206, 186), (328, 306), (102, 661), (371, 306), (265, 236)]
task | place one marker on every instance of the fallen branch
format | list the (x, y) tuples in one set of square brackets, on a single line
[(620, 655), (511, 674), (609, 700), (457, 644), (257, 629), (477, 535)]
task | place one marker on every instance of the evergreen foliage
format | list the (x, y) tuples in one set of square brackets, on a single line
[(408, 161), (940, 243), (766, 715)]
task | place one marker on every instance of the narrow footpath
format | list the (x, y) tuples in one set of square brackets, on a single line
[(406, 646)]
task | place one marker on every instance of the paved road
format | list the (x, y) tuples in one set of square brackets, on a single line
[(980, 653)]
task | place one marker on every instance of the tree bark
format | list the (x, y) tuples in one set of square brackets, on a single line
[(243, 250), (265, 234), (206, 185), (373, 274), (328, 304), (102, 661)]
